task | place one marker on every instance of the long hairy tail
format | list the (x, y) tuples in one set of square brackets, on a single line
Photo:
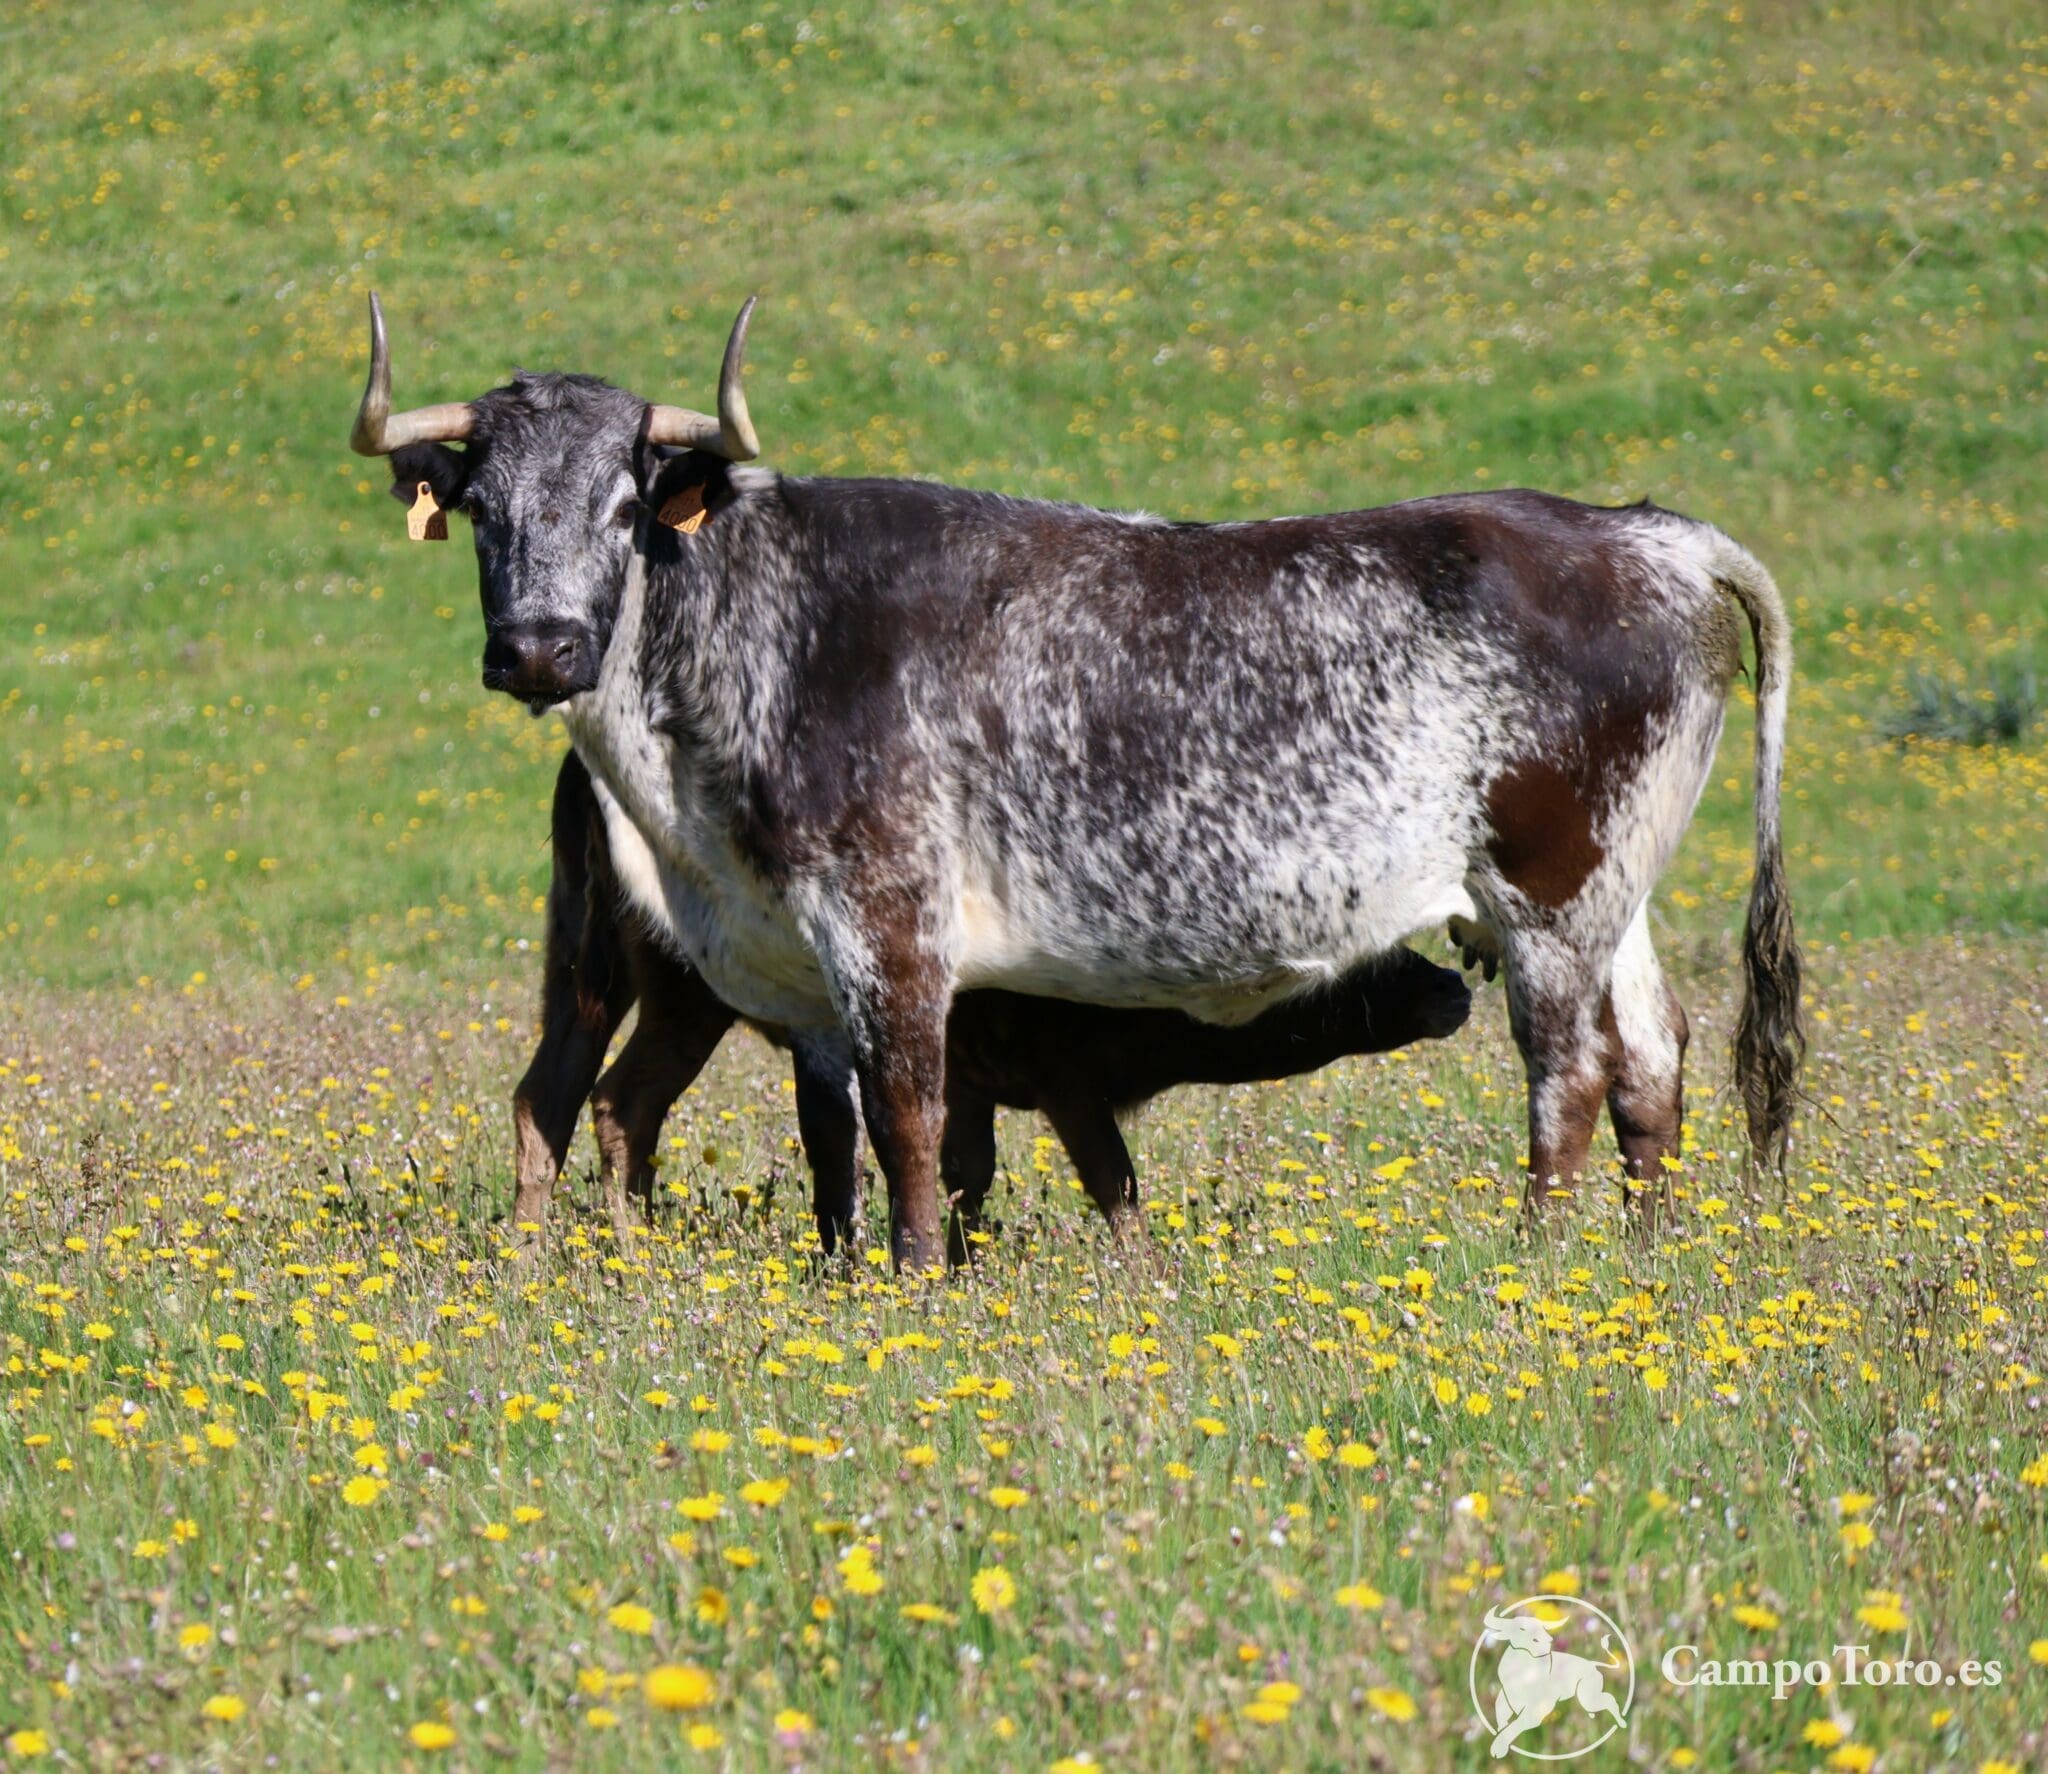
[(1770, 1035)]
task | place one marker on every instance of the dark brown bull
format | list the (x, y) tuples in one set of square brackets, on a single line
[(1079, 1065)]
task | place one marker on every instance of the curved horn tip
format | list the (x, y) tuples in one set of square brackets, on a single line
[(738, 440), (366, 437)]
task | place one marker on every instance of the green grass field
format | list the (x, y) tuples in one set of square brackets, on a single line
[(271, 860)]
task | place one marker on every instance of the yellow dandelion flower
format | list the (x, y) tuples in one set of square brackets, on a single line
[(857, 1570), (631, 1617), (360, 1492), (226, 1708), (679, 1687), (765, 1493), (1005, 1496), (430, 1735), (1390, 1703), (1359, 1597), (1357, 1456), (993, 1589), (27, 1743), (705, 1508)]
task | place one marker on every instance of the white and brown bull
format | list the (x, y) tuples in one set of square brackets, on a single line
[(862, 744)]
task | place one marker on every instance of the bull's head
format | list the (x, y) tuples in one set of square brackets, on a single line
[(555, 473), (1522, 1631)]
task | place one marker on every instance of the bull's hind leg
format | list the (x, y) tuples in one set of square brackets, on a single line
[(967, 1165), (1087, 1128), (1563, 1022), (1647, 1099)]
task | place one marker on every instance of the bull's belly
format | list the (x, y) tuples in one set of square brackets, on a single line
[(1241, 946)]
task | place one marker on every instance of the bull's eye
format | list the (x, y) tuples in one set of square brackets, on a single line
[(627, 515)]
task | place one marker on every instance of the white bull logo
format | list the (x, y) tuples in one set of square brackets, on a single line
[(1534, 1679)]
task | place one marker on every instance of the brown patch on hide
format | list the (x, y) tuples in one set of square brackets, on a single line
[(1543, 842)]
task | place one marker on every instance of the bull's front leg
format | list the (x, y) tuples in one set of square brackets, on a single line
[(894, 994)]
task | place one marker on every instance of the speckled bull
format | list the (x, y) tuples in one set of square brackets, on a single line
[(861, 744)]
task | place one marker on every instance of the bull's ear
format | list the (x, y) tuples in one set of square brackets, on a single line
[(709, 475), (441, 468)]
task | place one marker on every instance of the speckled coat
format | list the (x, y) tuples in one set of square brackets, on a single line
[(861, 744)]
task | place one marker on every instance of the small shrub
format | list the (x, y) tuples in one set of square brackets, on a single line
[(1997, 707)]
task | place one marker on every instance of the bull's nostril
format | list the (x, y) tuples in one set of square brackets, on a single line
[(564, 651)]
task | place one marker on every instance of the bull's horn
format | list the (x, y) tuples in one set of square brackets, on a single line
[(378, 430), (731, 434), (1495, 1623)]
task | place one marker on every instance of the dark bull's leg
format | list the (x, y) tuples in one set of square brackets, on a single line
[(894, 997), (967, 1165), (550, 1097), (681, 1024), (1087, 1128), (829, 1126), (586, 990)]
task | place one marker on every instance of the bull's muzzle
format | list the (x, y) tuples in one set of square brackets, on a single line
[(542, 664)]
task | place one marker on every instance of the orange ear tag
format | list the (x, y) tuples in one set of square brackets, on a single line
[(424, 520), (683, 511)]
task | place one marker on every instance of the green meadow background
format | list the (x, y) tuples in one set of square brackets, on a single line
[(1780, 266)]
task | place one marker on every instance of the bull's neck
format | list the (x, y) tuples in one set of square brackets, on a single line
[(712, 639)]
